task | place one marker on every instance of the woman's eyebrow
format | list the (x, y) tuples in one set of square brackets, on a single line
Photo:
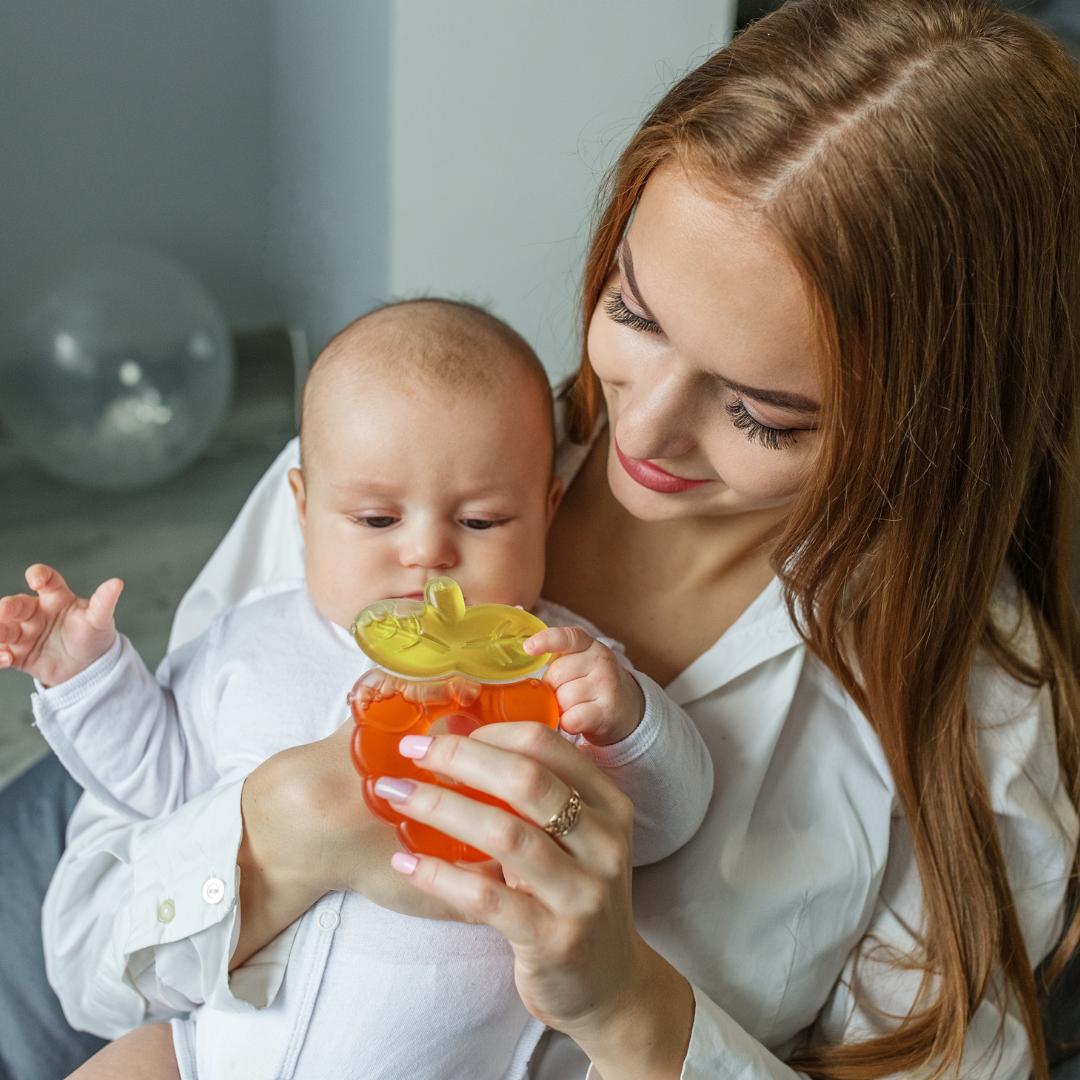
[(627, 261), (780, 398)]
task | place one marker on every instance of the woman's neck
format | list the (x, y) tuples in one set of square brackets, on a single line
[(667, 589)]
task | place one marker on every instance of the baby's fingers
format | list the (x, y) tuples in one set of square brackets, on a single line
[(99, 611), (559, 639), (52, 589), (586, 717), (20, 625), (15, 610)]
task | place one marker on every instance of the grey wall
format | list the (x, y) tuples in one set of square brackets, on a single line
[(504, 117), (143, 121), (310, 158), (331, 64)]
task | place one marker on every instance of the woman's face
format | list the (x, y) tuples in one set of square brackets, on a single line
[(705, 347)]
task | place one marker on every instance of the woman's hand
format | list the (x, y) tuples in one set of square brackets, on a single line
[(565, 908), (307, 832)]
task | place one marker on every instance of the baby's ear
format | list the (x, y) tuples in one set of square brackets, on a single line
[(555, 494), (296, 482)]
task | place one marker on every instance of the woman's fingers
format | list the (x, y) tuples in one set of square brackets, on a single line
[(526, 764), (515, 914), (535, 771), (549, 872)]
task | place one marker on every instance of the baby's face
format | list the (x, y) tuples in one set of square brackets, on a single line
[(401, 488)]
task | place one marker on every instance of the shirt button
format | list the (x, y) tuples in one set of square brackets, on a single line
[(213, 892), (328, 919), (166, 910)]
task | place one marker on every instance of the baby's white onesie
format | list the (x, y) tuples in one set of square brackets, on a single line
[(367, 992)]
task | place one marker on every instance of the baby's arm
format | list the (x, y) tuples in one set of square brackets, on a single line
[(635, 733), (111, 724), (55, 635), (137, 744)]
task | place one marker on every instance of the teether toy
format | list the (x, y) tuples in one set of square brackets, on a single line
[(443, 637), (442, 667)]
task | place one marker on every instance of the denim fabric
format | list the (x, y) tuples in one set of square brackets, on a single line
[(36, 1042), (1061, 1022)]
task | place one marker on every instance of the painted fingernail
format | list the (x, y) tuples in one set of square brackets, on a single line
[(404, 863), (393, 788), (414, 746)]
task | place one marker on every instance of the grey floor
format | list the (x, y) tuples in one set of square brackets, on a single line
[(156, 540)]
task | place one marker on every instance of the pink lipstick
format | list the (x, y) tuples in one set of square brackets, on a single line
[(651, 476)]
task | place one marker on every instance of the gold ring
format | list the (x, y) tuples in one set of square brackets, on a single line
[(562, 822)]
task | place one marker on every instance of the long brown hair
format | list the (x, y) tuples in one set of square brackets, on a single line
[(918, 158)]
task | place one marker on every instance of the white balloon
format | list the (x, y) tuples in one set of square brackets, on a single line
[(115, 367)]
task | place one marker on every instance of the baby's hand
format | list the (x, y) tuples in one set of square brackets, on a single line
[(597, 696), (55, 635)]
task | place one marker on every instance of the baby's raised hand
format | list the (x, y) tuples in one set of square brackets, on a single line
[(597, 696), (55, 635)]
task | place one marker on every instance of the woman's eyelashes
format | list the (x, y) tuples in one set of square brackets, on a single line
[(617, 311), (770, 437)]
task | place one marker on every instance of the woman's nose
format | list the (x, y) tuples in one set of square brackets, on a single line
[(656, 420)]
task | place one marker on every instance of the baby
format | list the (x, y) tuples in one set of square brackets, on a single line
[(426, 450)]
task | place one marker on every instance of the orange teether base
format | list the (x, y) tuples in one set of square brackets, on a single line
[(463, 706)]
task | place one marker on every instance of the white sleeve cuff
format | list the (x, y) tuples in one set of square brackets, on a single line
[(720, 1047), (86, 682), (185, 907), (95, 753), (642, 737)]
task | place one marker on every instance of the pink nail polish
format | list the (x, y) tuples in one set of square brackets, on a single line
[(414, 746), (394, 788), (404, 863)]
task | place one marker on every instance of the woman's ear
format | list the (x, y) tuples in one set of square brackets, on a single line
[(555, 494), (296, 482)]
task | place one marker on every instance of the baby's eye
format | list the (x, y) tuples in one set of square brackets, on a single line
[(479, 523), (383, 521)]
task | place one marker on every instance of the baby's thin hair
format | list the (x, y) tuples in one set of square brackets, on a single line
[(433, 342)]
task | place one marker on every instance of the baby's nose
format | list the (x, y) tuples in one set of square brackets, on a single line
[(430, 548)]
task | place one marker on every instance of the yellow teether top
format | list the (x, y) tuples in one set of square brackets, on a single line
[(443, 637)]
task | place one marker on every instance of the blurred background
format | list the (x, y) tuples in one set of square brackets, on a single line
[(290, 163), (301, 161)]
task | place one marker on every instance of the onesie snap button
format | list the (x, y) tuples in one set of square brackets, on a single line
[(166, 910), (213, 892), (328, 919)]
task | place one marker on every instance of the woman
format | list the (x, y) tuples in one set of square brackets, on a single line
[(829, 308)]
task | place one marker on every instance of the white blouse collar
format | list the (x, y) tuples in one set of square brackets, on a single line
[(763, 631)]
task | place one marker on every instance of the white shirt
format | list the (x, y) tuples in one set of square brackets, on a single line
[(360, 984), (272, 672), (802, 854)]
